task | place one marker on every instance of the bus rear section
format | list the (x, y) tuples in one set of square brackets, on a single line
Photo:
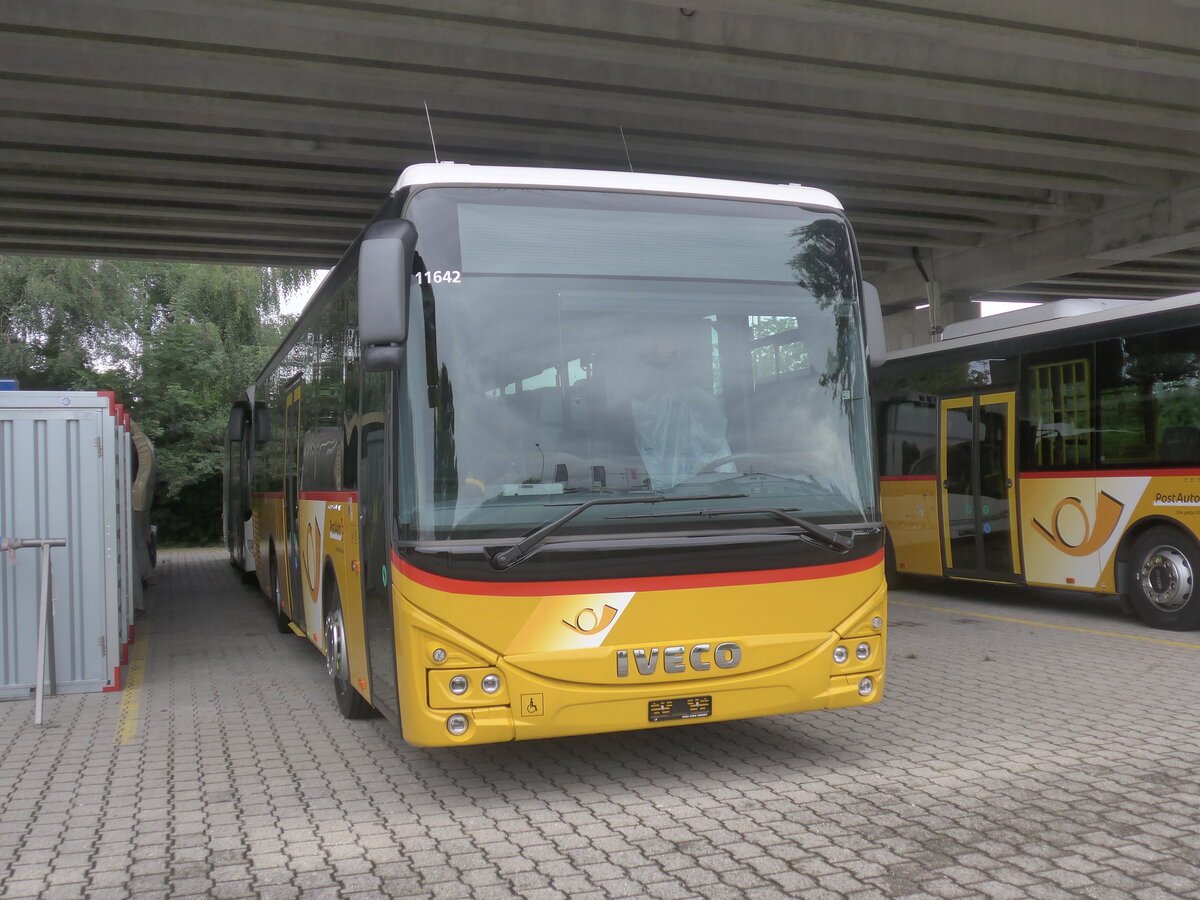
[(600, 447)]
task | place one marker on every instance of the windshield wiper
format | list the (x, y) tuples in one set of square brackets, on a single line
[(510, 556), (830, 539)]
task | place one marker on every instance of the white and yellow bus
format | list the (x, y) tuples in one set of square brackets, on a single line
[(555, 452), (1057, 446)]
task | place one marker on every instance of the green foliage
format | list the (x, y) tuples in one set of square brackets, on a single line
[(59, 316), (177, 342)]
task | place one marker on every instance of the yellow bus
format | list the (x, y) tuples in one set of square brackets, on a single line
[(555, 452), (1057, 446)]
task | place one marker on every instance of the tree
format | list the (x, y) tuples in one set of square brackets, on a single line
[(60, 318), (177, 342)]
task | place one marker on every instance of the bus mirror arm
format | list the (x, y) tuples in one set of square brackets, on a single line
[(873, 324), (385, 259)]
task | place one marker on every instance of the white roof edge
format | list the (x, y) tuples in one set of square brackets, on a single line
[(1043, 312), (1114, 314), (425, 174)]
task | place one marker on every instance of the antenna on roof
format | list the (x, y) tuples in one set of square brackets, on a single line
[(429, 122), (628, 159), (933, 293)]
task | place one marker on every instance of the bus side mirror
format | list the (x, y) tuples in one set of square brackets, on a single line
[(262, 423), (873, 325), (237, 422), (385, 260)]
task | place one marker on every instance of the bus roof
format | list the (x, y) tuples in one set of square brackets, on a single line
[(1012, 332), (448, 173)]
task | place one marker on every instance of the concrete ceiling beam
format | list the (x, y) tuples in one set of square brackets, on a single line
[(1139, 230)]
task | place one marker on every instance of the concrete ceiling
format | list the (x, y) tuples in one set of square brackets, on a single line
[(1025, 149)]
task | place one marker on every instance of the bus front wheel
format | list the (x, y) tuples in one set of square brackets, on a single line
[(337, 662), (1164, 566), (282, 622)]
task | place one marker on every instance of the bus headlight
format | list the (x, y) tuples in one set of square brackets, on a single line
[(865, 687), (877, 622), (840, 655), (863, 650), (490, 684), (459, 685), (457, 724), (439, 655)]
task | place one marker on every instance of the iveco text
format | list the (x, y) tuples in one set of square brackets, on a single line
[(727, 655)]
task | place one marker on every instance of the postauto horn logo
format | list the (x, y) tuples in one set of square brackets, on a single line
[(587, 621), (1108, 514)]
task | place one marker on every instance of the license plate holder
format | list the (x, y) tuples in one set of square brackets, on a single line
[(680, 708)]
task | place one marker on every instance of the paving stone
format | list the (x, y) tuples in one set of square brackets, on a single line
[(243, 780)]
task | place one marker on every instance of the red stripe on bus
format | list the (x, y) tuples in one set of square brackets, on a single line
[(908, 478), (1114, 473), (650, 583), (329, 496)]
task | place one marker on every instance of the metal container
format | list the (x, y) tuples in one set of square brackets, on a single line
[(65, 472)]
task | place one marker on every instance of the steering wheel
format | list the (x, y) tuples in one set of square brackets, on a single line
[(712, 465)]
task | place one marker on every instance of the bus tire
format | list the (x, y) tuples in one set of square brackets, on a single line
[(282, 622), (350, 702), (1163, 584)]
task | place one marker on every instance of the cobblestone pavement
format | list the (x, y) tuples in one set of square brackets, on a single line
[(1029, 745)]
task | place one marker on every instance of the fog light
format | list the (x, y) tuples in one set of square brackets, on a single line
[(863, 650), (877, 622), (840, 655), (439, 655), (865, 687), (459, 685), (490, 684), (457, 724)]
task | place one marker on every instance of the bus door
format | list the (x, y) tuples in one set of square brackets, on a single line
[(291, 501), (978, 487), (375, 491)]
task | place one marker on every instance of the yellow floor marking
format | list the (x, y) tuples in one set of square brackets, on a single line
[(131, 697), (1129, 637)]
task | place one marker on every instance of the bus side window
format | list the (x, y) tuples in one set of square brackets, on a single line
[(1150, 399), (1060, 405), (909, 428)]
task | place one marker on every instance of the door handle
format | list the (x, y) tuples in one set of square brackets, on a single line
[(945, 484), (1008, 483)]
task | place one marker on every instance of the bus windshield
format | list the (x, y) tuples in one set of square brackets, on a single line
[(567, 346)]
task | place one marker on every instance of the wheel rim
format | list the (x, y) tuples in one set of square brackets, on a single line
[(1166, 578), (335, 648)]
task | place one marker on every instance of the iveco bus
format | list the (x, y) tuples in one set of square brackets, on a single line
[(554, 452)]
